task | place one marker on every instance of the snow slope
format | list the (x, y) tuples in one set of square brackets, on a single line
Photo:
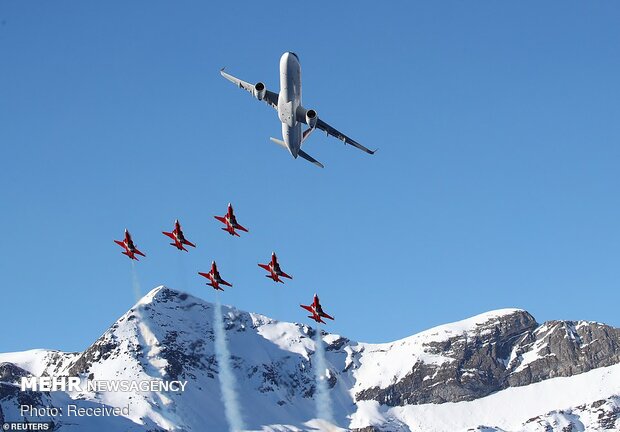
[(508, 409)]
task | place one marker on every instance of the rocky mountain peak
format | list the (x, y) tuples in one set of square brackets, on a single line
[(169, 335)]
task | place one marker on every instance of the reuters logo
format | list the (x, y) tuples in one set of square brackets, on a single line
[(34, 426)]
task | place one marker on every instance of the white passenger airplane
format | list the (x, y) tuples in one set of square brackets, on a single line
[(292, 114)]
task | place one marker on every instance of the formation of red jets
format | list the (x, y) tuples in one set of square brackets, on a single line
[(215, 280)]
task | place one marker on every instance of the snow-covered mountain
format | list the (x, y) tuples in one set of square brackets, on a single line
[(498, 371)]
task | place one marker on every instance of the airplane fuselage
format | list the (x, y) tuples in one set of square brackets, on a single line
[(289, 101)]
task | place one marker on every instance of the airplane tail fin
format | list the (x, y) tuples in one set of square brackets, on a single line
[(310, 159)]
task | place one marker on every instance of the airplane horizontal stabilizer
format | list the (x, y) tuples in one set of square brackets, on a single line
[(309, 158), (279, 142)]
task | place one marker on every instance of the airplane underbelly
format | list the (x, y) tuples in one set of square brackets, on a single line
[(286, 111), (292, 137), (289, 98)]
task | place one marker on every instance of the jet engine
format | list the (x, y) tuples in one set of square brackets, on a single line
[(259, 91), (311, 118)]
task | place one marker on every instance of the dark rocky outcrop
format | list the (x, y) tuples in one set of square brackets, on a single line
[(512, 350), (564, 348), (11, 373)]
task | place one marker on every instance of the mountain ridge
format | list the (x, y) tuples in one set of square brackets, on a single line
[(169, 334)]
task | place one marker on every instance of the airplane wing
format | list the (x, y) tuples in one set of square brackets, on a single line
[(239, 227), (320, 124), (308, 308), (220, 218), (324, 315), (223, 282), (189, 243), (169, 234), (270, 98)]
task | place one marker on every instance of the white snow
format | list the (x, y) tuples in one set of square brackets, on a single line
[(35, 361), (508, 409)]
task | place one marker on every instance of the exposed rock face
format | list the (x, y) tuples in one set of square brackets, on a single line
[(512, 350), (563, 348), (11, 374), (476, 370)]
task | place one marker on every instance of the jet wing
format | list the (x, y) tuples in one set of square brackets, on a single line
[(324, 315), (189, 243), (320, 124), (271, 98)]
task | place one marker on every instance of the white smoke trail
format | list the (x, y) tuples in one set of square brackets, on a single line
[(228, 384), (323, 398), (135, 282)]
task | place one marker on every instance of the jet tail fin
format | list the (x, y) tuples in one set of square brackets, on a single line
[(310, 159)]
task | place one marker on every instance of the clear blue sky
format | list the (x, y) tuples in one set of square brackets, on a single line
[(496, 184)]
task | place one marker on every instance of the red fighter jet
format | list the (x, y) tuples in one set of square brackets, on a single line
[(231, 222), (215, 278), (130, 249), (275, 272), (178, 237), (316, 310)]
